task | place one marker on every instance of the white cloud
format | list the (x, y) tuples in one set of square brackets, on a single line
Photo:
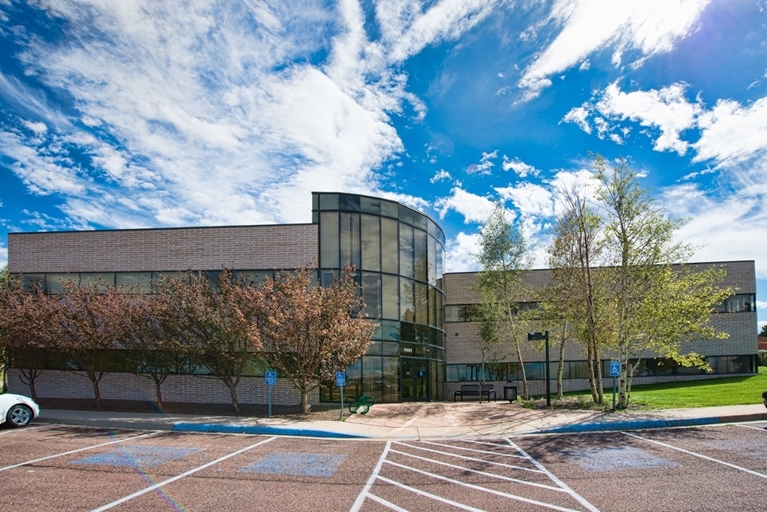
[(485, 164), (522, 169), (460, 253), (761, 304), (441, 175), (579, 116), (666, 109), (585, 66), (531, 200), (474, 208), (3, 256), (732, 133), (648, 26)]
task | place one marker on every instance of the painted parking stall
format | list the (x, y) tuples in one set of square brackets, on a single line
[(465, 475)]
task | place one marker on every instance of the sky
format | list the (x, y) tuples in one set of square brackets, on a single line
[(204, 113)]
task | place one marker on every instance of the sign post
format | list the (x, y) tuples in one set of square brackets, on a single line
[(341, 382), (270, 379), (533, 336), (615, 372)]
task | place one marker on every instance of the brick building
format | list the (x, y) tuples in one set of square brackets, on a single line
[(426, 343)]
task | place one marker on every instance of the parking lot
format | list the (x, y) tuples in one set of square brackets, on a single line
[(71, 468)]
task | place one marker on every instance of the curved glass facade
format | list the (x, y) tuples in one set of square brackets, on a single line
[(398, 253)]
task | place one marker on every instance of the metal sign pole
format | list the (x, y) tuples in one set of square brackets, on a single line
[(614, 385), (270, 402), (342, 404), (548, 372)]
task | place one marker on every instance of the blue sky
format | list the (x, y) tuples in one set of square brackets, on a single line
[(151, 114)]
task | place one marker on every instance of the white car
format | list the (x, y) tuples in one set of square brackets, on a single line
[(17, 410)]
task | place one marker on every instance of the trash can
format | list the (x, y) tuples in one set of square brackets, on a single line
[(510, 393)]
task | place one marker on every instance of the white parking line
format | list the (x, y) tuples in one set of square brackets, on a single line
[(500, 477), (78, 450), (762, 475), (476, 451), (493, 444), (179, 477), (430, 495), (763, 429), (473, 459), (387, 504), (480, 488), (366, 490), (556, 480)]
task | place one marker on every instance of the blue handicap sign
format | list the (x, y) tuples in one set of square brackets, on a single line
[(340, 379), (615, 368), (270, 377)]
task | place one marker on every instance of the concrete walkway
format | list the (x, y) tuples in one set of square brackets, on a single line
[(421, 420)]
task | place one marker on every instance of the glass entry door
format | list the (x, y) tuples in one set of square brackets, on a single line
[(415, 379)]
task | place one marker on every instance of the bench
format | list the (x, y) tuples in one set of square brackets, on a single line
[(472, 390)]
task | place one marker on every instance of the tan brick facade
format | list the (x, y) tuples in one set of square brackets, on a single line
[(239, 247)]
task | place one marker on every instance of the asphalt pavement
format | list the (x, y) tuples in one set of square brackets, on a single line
[(431, 420)]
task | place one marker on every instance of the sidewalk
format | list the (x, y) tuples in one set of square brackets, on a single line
[(420, 421)]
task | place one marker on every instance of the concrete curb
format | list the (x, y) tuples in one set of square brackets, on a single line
[(262, 430), (650, 423)]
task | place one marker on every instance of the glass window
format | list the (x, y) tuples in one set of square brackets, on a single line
[(389, 241), (329, 202), (439, 266), (421, 303), (419, 221), (372, 376), (390, 297), (432, 306), (329, 240), (406, 214), (420, 257), (315, 201), (349, 203), (33, 281), (389, 209), (253, 277), (432, 267), (390, 349), (374, 349), (136, 282), (105, 279), (371, 294), (452, 313), (370, 205), (371, 243), (406, 251), (53, 282), (390, 330), (407, 300), (350, 239), (390, 392)]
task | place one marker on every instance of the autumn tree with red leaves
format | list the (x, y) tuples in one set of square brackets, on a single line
[(90, 324), (310, 331), (212, 324), (27, 333)]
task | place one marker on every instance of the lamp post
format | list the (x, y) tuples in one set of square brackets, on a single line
[(533, 336)]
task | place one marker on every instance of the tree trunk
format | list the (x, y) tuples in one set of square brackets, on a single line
[(96, 392), (158, 389), (525, 390), (561, 369), (304, 401), (31, 377), (233, 392)]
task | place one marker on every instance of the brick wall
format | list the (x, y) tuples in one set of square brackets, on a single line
[(210, 248), (177, 388)]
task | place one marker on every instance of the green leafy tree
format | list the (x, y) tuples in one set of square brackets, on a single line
[(656, 308), (504, 258), (576, 297), (763, 332), (311, 331)]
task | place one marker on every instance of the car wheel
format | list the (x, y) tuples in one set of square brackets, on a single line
[(19, 416)]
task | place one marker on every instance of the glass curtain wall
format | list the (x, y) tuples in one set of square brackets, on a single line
[(398, 254)]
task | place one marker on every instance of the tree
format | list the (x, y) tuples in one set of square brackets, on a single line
[(154, 343), (215, 323), (763, 332), (4, 356), (27, 334), (656, 307), (504, 258), (89, 324), (577, 293), (311, 331)]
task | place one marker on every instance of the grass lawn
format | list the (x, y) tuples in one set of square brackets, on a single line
[(699, 393)]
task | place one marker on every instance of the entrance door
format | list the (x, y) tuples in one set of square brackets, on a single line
[(415, 380)]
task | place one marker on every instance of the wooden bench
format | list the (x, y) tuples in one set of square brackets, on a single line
[(472, 390)]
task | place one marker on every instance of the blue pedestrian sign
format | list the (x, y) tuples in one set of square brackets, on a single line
[(270, 378), (340, 379), (615, 368)]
